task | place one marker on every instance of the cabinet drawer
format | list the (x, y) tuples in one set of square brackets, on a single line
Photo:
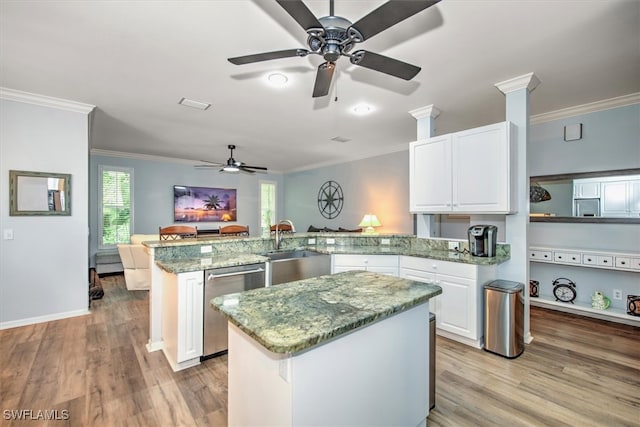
[(433, 266), (590, 259), (605, 261), (625, 262), (541, 255), (568, 257)]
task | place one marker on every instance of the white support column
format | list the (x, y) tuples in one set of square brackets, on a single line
[(516, 91), (426, 225)]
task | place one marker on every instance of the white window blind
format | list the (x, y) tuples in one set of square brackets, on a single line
[(116, 205), (267, 206)]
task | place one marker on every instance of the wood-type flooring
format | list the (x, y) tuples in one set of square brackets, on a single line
[(95, 370)]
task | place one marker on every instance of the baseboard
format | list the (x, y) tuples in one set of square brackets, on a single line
[(42, 319)]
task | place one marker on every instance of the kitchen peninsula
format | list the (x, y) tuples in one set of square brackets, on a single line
[(177, 279), (345, 349)]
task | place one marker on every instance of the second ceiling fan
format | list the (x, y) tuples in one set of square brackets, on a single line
[(333, 36)]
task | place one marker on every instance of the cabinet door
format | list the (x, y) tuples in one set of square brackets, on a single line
[(430, 175), (634, 198), (458, 310), (190, 315), (586, 190), (483, 169), (614, 199)]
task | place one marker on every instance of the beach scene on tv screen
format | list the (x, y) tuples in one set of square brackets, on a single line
[(202, 204)]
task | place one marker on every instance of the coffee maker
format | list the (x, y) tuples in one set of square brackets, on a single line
[(482, 240)]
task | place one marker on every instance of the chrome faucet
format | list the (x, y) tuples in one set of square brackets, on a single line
[(278, 235)]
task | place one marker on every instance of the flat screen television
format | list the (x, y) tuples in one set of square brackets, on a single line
[(203, 204)]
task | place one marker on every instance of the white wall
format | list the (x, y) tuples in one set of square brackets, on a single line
[(379, 185), (44, 269)]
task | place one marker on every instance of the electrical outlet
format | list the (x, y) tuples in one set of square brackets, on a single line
[(311, 242), (331, 241), (454, 246), (206, 249), (385, 241), (617, 294)]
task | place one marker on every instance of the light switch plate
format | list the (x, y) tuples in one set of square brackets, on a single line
[(385, 241), (206, 249), (311, 242), (331, 241), (7, 234)]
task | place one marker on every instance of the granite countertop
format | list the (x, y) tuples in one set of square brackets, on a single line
[(441, 255), (296, 316), (185, 265)]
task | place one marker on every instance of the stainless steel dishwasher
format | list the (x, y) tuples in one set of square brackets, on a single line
[(222, 281)]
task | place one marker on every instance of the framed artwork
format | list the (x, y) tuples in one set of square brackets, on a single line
[(204, 204)]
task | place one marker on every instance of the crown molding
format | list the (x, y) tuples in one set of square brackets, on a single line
[(592, 107), (529, 81), (45, 101)]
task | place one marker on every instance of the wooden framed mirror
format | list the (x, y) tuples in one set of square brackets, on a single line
[(39, 193), (592, 197)]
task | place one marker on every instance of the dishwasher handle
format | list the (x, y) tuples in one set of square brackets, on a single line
[(237, 273)]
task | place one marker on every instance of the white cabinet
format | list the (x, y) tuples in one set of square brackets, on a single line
[(182, 311), (621, 198), (385, 264), (586, 189), (459, 309), (471, 171)]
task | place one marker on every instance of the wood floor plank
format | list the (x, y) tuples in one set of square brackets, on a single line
[(577, 371)]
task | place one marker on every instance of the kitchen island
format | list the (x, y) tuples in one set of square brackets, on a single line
[(344, 349)]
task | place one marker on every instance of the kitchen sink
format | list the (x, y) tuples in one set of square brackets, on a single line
[(297, 264)]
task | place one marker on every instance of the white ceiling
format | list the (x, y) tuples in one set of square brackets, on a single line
[(134, 60)]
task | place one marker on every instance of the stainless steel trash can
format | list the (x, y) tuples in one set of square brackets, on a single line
[(432, 360), (504, 318)]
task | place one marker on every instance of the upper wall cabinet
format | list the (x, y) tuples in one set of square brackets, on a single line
[(472, 171)]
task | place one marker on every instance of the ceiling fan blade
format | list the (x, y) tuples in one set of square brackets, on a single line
[(267, 56), (300, 13), (206, 166), (384, 64), (245, 170), (254, 167), (389, 14), (323, 79)]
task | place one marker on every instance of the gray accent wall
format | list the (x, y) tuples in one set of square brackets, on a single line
[(43, 268), (378, 185), (153, 193)]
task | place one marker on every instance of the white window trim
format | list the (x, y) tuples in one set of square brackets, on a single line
[(275, 207), (102, 168)]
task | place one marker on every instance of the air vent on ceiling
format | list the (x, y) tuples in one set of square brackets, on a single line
[(194, 104), (340, 139)]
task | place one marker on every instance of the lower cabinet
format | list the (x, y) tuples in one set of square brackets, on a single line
[(385, 264), (182, 317), (459, 309)]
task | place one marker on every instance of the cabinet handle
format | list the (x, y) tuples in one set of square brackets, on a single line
[(559, 257), (589, 259), (623, 263), (605, 261), (533, 255)]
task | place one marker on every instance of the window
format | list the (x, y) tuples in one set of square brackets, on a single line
[(267, 206), (116, 205)]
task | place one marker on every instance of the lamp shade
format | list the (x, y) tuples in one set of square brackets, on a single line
[(369, 221), (226, 217)]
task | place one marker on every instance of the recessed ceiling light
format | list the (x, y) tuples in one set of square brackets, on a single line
[(362, 109), (194, 104), (277, 79)]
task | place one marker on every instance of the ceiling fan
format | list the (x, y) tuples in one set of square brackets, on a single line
[(232, 164), (333, 36)]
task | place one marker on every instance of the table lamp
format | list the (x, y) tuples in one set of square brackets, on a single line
[(369, 221)]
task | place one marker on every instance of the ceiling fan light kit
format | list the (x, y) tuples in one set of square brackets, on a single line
[(232, 165), (334, 36)]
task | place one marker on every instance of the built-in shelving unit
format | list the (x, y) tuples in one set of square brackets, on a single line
[(614, 261)]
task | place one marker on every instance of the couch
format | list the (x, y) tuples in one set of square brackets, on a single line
[(135, 260)]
